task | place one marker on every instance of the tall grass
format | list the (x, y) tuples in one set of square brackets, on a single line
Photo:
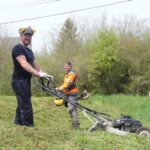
[(53, 131), (136, 106)]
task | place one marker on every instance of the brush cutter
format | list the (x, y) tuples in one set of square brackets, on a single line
[(121, 126)]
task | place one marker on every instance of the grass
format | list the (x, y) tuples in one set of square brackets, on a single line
[(53, 131)]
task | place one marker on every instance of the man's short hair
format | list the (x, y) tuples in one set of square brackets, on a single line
[(68, 63)]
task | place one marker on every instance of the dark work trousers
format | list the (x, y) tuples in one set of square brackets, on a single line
[(73, 110), (24, 112)]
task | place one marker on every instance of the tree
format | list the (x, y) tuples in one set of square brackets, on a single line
[(107, 73), (67, 44), (134, 49)]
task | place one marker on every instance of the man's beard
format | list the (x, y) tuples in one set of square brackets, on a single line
[(27, 43)]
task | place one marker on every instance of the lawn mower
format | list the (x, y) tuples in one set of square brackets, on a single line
[(123, 125)]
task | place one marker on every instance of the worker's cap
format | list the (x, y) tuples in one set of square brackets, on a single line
[(26, 30)]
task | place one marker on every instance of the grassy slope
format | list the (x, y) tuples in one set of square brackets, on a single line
[(52, 127)]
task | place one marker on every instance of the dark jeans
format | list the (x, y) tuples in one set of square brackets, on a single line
[(24, 112)]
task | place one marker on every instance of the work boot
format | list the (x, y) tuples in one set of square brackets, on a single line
[(75, 125)]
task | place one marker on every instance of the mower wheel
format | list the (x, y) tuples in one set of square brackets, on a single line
[(142, 131)]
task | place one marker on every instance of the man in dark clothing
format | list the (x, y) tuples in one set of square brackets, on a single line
[(24, 68)]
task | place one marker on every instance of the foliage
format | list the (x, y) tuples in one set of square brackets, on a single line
[(66, 48), (134, 49), (108, 58), (5, 67), (107, 72), (140, 86), (67, 42)]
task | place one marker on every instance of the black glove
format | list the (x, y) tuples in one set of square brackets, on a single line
[(66, 103)]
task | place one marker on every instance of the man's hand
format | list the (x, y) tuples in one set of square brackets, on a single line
[(58, 89), (45, 75), (42, 74)]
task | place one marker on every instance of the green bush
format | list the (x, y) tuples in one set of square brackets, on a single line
[(107, 73)]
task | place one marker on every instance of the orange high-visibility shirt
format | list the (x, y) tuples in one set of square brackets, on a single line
[(69, 85)]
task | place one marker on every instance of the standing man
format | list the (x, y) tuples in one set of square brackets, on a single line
[(69, 88), (24, 68)]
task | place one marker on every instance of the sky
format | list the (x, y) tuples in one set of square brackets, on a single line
[(14, 10)]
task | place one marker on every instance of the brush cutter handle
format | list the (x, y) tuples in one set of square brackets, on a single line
[(46, 76)]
